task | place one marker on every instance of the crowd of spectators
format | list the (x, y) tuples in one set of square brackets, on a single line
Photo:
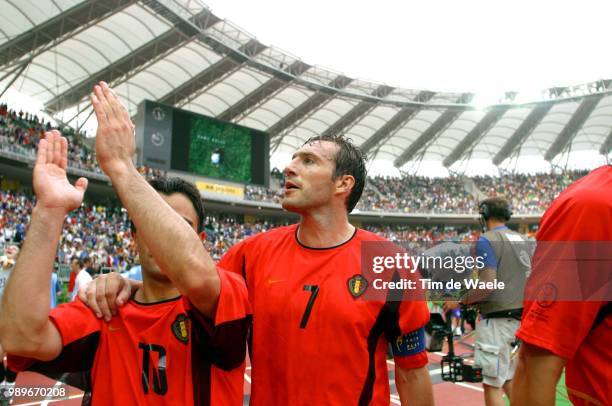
[(417, 194), (98, 232), (222, 232), (20, 133), (421, 234), (262, 194), (529, 194), (102, 233)]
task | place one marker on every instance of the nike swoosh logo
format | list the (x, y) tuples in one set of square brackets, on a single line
[(272, 281)]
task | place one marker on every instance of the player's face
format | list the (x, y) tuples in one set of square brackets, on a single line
[(308, 177), (183, 206)]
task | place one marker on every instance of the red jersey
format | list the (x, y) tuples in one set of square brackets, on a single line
[(314, 342), (583, 212), (164, 353)]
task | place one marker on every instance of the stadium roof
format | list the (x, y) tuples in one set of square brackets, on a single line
[(178, 52)]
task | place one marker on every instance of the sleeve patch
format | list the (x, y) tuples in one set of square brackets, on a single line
[(409, 344)]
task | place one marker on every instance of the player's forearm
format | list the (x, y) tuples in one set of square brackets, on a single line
[(536, 377), (414, 386), (174, 245), (26, 300)]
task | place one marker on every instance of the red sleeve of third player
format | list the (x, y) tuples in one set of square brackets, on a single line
[(559, 327), (409, 346)]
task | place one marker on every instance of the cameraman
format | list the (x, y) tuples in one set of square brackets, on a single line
[(506, 259)]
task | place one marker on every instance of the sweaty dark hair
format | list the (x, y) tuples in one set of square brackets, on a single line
[(349, 161), (169, 186)]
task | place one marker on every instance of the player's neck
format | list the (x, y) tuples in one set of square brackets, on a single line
[(155, 291), (324, 230)]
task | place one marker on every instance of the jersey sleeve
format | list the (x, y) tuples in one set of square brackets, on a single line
[(74, 321), (233, 298), (408, 337), (226, 335), (79, 329), (559, 327)]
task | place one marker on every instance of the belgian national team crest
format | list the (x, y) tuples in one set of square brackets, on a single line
[(357, 285), (180, 328)]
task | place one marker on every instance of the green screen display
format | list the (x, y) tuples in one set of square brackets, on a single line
[(220, 150)]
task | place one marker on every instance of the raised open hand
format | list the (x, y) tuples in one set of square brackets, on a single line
[(51, 185), (115, 143)]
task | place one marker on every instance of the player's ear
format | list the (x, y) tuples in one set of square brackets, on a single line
[(345, 183)]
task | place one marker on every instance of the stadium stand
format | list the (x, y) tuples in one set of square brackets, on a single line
[(530, 194), (103, 232), (418, 194), (20, 133)]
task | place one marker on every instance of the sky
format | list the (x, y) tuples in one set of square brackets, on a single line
[(487, 47)]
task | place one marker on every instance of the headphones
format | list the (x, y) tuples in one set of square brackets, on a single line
[(487, 212)]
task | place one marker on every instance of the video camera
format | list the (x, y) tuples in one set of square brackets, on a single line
[(453, 366)]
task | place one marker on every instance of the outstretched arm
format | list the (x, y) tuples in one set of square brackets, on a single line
[(184, 260), (25, 328)]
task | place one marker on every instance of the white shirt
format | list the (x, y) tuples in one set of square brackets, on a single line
[(83, 278)]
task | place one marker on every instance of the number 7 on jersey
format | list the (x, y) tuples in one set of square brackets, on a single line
[(314, 291)]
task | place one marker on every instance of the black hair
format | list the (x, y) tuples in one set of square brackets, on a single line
[(495, 207), (169, 186), (349, 160)]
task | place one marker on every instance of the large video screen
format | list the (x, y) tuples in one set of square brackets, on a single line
[(220, 150), (181, 140)]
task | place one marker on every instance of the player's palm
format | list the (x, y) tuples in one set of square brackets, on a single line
[(50, 181), (115, 144)]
